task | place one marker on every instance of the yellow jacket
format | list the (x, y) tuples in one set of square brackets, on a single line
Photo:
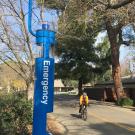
[(84, 99)]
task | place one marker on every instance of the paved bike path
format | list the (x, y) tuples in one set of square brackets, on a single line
[(102, 119)]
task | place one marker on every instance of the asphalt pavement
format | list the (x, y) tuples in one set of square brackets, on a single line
[(103, 118)]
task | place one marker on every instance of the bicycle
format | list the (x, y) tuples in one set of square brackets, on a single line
[(84, 112)]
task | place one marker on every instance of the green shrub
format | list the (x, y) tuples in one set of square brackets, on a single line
[(125, 102), (15, 114)]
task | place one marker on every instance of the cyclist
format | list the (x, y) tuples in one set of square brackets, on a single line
[(84, 100)]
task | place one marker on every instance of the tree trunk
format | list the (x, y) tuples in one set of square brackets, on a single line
[(116, 69), (80, 82), (30, 90)]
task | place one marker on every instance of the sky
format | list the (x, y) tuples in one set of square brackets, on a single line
[(51, 16), (124, 50)]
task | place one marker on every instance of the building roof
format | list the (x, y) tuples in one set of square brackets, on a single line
[(126, 82), (87, 85), (58, 83)]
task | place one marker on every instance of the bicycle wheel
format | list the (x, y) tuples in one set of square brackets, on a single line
[(82, 113), (85, 115)]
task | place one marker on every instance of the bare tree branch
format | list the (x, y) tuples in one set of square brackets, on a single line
[(119, 4), (12, 6), (18, 53), (9, 44), (12, 68), (101, 2), (24, 28)]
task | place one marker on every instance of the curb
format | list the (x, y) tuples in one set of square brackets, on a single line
[(55, 127)]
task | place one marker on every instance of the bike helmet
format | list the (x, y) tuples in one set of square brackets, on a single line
[(84, 94)]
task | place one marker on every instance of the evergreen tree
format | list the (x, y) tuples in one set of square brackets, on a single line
[(79, 58)]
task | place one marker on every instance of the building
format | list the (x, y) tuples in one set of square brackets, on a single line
[(58, 85), (105, 91)]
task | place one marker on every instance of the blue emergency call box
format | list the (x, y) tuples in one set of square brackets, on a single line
[(43, 94), (44, 77)]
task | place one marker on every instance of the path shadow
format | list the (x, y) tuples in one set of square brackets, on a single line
[(133, 109), (66, 97), (113, 129), (132, 126), (76, 116), (112, 104)]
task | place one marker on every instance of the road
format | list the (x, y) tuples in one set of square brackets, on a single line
[(103, 118)]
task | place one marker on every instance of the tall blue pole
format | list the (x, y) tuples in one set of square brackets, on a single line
[(30, 18), (44, 77)]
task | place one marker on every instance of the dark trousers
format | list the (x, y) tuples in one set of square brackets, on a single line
[(81, 108)]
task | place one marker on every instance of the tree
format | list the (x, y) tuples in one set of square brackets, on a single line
[(112, 15), (105, 54), (16, 43), (79, 58), (53, 4), (115, 15), (17, 51)]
